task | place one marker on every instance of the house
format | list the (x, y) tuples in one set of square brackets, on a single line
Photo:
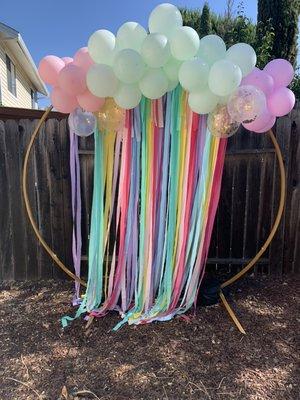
[(19, 79)]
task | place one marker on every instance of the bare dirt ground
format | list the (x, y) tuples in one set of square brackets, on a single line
[(206, 358)]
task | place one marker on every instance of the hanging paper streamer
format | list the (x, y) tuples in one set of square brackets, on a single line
[(76, 207), (156, 189)]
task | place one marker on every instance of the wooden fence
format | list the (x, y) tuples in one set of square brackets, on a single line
[(248, 203)]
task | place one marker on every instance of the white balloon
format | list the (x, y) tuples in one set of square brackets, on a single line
[(129, 66), (101, 80), (224, 77), (128, 96), (202, 102), (131, 36), (171, 68), (212, 48), (155, 50), (101, 46), (154, 83), (243, 55), (193, 74), (165, 18), (184, 43)]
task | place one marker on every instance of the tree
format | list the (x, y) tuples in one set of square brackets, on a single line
[(191, 18), (280, 16), (205, 22)]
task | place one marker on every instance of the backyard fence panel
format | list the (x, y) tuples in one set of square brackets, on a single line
[(248, 202)]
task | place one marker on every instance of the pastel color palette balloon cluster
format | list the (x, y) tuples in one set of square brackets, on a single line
[(134, 63)]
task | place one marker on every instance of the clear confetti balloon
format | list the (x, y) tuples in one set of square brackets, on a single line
[(220, 123), (82, 123), (246, 103), (110, 117)]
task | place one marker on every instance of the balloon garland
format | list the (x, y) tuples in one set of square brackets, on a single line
[(161, 105)]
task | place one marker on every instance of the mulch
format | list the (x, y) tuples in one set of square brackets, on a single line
[(203, 358)]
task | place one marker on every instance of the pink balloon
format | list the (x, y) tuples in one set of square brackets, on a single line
[(260, 122), (89, 102), (267, 127), (62, 101), (72, 79), (67, 60), (83, 59), (259, 79), (281, 70), (281, 101), (49, 68)]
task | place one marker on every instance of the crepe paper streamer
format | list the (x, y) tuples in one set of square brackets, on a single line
[(156, 190), (76, 210)]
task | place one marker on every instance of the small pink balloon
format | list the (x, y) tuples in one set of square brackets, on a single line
[(72, 79), (281, 101), (267, 127), (259, 79), (260, 122), (281, 70), (83, 59), (62, 101), (89, 102), (67, 60), (49, 68)]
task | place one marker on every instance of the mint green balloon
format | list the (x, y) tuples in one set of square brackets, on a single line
[(184, 43), (154, 83), (211, 49), (165, 18), (101, 46), (101, 80), (202, 102), (131, 36), (193, 74), (171, 68), (128, 96), (172, 85), (243, 55), (128, 66), (155, 50), (224, 77), (223, 100)]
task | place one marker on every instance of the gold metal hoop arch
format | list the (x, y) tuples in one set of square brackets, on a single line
[(237, 276)]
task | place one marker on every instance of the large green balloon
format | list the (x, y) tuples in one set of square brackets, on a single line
[(212, 48), (131, 36), (243, 55), (155, 50), (101, 80), (154, 83), (184, 43), (128, 96), (171, 68), (101, 46), (193, 74), (202, 102), (224, 77), (165, 18), (129, 66)]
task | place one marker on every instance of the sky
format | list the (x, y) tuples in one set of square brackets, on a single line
[(61, 27)]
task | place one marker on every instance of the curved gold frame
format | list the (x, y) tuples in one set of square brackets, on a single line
[(237, 276)]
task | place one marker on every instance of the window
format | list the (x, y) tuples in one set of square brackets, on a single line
[(33, 99), (11, 76)]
